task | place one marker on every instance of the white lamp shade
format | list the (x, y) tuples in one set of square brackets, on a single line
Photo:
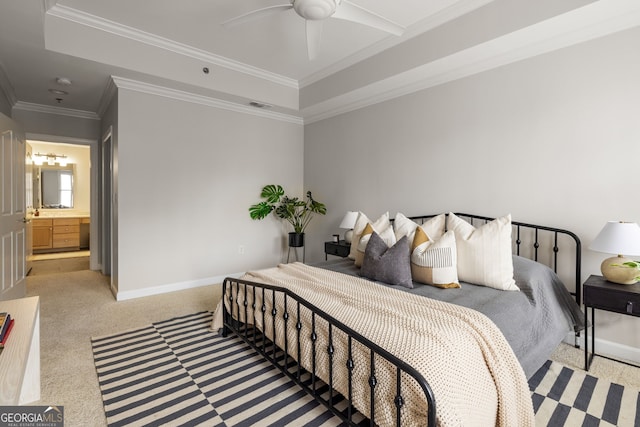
[(349, 220), (622, 238)]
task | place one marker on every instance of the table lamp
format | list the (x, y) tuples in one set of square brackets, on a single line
[(622, 238), (348, 222)]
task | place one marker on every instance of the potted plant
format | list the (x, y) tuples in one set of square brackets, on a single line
[(295, 211)]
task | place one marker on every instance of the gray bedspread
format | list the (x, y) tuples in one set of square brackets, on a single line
[(534, 320)]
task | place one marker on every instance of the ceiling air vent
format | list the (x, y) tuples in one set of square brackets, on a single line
[(257, 104)]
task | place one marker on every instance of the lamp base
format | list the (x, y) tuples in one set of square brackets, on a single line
[(614, 271), (348, 236)]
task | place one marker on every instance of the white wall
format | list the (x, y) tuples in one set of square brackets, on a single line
[(552, 140), (187, 174)]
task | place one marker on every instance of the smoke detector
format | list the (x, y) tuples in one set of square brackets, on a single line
[(63, 81)]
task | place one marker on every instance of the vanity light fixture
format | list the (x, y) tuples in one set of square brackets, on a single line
[(51, 159)]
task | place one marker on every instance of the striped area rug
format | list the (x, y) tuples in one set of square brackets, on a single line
[(179, 373), (564, 397)]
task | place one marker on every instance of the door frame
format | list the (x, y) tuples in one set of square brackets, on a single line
[(94, 227), (106, 211)]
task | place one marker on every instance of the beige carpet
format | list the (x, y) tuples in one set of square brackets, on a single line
[(76, 306)]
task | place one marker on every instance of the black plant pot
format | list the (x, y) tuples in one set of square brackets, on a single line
[(296, 240)]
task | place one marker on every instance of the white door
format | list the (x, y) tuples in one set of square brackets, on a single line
[(13, 239)]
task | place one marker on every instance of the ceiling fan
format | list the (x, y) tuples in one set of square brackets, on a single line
[(315, 12)]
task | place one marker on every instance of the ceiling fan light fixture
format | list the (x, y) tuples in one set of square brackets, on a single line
[(315, 9)]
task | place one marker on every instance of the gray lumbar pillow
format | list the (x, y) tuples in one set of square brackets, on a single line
[(387, 264)]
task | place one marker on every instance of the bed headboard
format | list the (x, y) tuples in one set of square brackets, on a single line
[(542, 244)]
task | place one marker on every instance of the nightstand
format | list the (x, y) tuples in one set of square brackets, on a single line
[(603, 295), (340, 248)]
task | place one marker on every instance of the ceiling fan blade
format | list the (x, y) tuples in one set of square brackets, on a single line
[(352, 12), (314, 37), (256, 14)]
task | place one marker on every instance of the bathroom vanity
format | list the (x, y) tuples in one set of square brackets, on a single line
[(55, 234)]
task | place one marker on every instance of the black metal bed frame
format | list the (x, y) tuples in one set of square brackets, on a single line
[(246, 299)]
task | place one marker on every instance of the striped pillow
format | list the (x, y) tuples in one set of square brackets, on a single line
[(434, 262)]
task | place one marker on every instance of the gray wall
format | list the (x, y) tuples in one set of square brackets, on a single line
[(552, 140), (5, 106), (187, 174), (35, 122)]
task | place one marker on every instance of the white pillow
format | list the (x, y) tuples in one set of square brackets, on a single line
[(404, 226), (484, 253), (434, 262), (361, 222), (386, 234)]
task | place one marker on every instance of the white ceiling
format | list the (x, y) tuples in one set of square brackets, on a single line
[(163, 45)]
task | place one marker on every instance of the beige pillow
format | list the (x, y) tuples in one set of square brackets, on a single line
[(434, 262), (386, 234), (361, 223), (434, 227), (484, 253)]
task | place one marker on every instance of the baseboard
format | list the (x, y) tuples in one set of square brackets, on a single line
[(172, 287), (608, 348)]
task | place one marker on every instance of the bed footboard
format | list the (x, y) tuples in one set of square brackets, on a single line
[(313, 353)]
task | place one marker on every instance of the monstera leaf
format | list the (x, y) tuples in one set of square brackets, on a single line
[(295, 211)]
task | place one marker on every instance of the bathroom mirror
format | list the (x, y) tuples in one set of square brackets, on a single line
[(53, 187)]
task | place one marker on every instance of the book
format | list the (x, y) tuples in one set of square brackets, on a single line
[(5, 320), (3, 341)]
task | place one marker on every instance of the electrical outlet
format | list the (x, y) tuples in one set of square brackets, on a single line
[(241, 249)]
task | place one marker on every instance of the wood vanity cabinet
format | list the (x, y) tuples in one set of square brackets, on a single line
[(42, 234), (56, 234), (66, 233)]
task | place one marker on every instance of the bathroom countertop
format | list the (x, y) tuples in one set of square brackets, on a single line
[(46, 214)]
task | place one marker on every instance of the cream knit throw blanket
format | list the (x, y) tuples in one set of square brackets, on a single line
[(469, 365)]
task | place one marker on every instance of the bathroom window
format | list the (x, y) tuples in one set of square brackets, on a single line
[(66, 188)]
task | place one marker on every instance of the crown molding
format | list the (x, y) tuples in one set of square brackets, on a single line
[(60, 111), (6, 87), (43, 137), (89, 20), (457, 9), (138, 86), (593, 21)]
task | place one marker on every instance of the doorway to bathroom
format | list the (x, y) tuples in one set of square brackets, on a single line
[(59, 206)]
